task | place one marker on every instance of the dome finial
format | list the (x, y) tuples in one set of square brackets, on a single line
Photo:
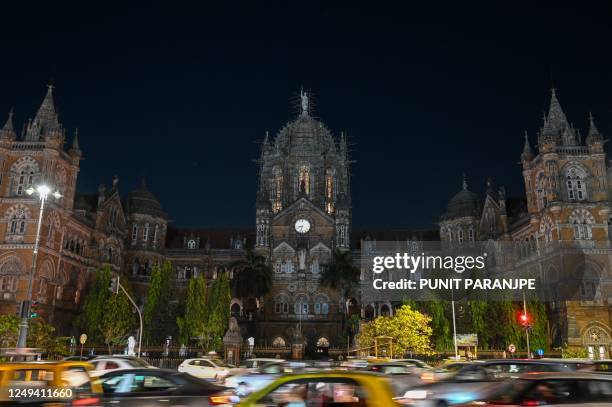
[(304, 102), (464, 182)]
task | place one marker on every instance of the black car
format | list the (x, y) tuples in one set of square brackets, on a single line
[(153, 387)]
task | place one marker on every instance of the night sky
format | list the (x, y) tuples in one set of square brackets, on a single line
[(184, 94)]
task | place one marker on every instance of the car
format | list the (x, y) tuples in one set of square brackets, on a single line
[(77, 358), (155, 387), (252, 381), (337, 388), (73, 376), (443, 372), (210, 369), (476, 380), (104, 364), (402, 375), (602, 366), (255, 363), (416, 362), (565, 389)]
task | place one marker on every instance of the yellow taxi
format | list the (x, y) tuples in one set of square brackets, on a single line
[(338, 388), (52, 382)]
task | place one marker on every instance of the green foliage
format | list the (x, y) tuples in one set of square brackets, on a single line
[(253, 276), (441, 324), (572, 353), (90, 320), (409, 329), (340, 272), (478, 311), (218, 313), (40, 335), (537, 335), (193, 323), (9, 330), (158, 315), (118, 320)]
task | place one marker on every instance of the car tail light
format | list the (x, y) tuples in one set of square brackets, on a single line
[(88, 401), (223, 398), (427, 377)]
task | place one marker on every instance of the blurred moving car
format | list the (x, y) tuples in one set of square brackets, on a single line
[(333, 388), (48, 375), (477, 380), (256, 363), (401, 375), (603, 366), (155, 387), (443, 372), (104, 364), (247, 383), (83, 358), (553, 389), (210, 369)]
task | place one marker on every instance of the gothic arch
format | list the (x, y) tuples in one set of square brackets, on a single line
[(18, 209), (596, 339), (24, 172), (582, 216), (11, 264)]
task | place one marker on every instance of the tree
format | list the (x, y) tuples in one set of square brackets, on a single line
[(409, 329), (539, 319), (218, 313), (478, 311), (41, 335), (193, 323), (253, 276), (9, 330), (118, 319), (90, 320), (158, 310), (340, 272)]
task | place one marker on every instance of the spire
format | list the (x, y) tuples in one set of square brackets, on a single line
[(594, 134), (46, 119), (527, 154), (464, 183), (343, 149), (75, 142), (8, 130), (556, 117)]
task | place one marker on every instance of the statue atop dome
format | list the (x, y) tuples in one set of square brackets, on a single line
[(305, 102)]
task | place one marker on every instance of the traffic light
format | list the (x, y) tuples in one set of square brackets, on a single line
[(525, 319), (114, 286), (34, 309)]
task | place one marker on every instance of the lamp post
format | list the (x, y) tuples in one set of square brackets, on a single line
[(43, 192)]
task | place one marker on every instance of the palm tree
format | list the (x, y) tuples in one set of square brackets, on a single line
[(340, 272), (252, 276)]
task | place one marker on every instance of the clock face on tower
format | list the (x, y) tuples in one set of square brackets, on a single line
[(302, 226)]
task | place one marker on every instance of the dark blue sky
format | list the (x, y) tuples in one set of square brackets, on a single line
[(182, 94)]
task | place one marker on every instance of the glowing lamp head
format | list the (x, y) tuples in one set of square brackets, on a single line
[(43, 190)]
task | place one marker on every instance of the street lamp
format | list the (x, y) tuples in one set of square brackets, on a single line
[(43, 192)]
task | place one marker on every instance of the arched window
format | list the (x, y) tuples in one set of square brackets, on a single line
[(304, 180), (18, 223), (576, 184), (460, 236), (322, 343), (325, 308), (582, 221), (24, 172), (134, 232), (314, 267), (276, 189), (330, 191), (145, 232), (546, 227), (279, 342), (8, 283), (278, 267), (155, 234), (471, 234), (191, 244), (541, 191), (301, 306)]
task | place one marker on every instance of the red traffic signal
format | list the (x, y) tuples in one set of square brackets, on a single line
[(524, 319)]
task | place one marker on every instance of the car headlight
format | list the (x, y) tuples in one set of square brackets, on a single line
[(416, 394)]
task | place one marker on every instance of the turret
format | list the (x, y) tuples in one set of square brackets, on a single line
[(8, 130)]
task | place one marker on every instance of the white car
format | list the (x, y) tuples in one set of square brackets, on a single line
[(103, 364), (209, 369)]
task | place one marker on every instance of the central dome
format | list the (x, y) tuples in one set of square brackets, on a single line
[(464, 203), (304, 136)]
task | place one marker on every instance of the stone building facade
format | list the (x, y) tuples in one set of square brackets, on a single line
[(561, 225), (302, 215)]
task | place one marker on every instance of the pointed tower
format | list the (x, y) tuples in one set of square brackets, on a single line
[(527, 154), (8, 131), (75, 150), (556, 129), (45, 123), (594, 137)]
